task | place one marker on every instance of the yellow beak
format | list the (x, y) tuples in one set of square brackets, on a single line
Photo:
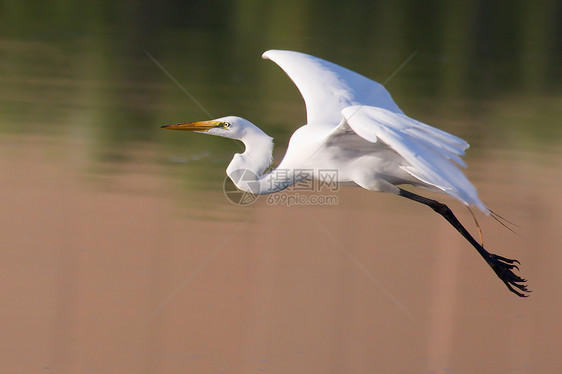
[(193, 126)]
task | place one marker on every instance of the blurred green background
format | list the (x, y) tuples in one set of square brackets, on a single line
[(489, 71)]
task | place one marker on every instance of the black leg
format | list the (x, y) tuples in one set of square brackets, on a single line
[(502, 266)]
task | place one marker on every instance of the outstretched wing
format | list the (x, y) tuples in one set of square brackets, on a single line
[(431, 155), (328, 88)]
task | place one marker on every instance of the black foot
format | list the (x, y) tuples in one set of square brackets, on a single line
[(503, 267)]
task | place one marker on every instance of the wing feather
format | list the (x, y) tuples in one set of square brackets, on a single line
[(328, 88), (427, 151)]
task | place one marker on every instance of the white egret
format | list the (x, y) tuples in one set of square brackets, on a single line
[(355, 127)]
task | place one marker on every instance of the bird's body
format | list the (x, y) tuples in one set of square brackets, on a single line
[(354, 129)]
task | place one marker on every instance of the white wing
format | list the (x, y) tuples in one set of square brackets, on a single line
[(328, 88), (428, 152)]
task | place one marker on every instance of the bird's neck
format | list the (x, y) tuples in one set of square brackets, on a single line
[(246, 169)]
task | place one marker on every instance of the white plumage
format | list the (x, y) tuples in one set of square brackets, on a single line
[(354, 127), (344, 109)]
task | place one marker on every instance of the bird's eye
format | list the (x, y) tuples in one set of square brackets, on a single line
[(225, 125)]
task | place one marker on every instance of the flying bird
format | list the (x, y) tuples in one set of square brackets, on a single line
[(355, 128)]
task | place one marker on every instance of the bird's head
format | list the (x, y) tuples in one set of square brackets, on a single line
[(227, 127), (258, 145)]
